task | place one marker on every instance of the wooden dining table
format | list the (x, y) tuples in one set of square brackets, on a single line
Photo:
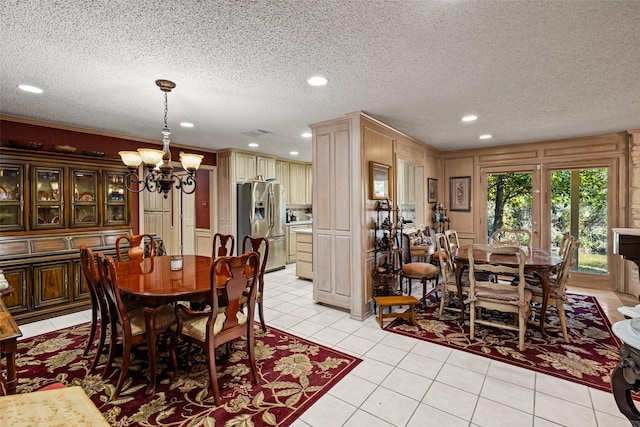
[(154, 283), (539, 262)]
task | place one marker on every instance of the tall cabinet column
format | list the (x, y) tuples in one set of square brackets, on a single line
[(337, 212)]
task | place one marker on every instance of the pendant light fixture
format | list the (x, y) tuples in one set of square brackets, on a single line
[(160, 177)]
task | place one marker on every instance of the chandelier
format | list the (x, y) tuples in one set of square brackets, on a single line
[(159, 176)]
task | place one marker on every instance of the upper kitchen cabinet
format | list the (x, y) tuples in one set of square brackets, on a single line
[(245, 169), (297, 184), (266, 167), (282, 175), (248, 166)]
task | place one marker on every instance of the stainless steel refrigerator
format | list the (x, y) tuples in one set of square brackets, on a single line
[(261, 213)]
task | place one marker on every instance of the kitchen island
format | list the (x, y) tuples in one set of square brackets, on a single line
[(304, 258)]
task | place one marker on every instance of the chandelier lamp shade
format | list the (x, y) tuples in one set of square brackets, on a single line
[(159, 176)]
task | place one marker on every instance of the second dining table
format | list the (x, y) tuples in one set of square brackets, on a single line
[(154, 283), (539, 262)]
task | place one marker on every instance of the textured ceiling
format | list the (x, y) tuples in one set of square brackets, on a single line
[(531, 70)]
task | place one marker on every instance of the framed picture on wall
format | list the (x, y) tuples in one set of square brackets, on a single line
[(379, 181), (432, 186), (460, 193)]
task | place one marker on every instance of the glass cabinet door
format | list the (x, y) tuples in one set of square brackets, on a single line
[(85, 198), (49, 200), (11, 197), (116, 211)]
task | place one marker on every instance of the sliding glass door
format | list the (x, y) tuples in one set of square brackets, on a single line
[(512, 200), (579, 206)]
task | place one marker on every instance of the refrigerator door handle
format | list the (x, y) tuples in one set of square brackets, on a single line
[(269, 211)]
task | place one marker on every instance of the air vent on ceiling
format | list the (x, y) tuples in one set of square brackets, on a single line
[(256, 133)]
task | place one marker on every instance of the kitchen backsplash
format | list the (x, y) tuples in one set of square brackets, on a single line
[(300, 213)]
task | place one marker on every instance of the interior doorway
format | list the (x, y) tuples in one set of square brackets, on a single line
[(171, 218)]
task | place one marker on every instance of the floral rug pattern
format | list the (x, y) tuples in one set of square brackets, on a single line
[(588, 358), (293, 374)]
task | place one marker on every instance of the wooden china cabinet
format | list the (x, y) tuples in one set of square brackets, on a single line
[(50, 204)]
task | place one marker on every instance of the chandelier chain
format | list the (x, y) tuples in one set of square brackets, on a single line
[(166, 108)]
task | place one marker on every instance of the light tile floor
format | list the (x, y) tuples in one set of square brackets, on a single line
[(407, 382)]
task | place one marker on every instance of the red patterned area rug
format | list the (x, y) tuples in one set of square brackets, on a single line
[(293, 374), (588, 358)]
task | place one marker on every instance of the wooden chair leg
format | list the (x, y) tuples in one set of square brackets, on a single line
[(126, 354), (174, 359), (472, 320), (213, 376), (92, 333), (252, 353), (103, 338), (563, 320), (112, 349), (261, 314), (522, 330)]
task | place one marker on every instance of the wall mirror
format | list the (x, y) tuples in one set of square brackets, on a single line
[(379, 181), (410, 188)]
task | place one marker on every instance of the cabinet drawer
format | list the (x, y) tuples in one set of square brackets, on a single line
[(304, 270), (305, 238), (305, 247), (304, 257)]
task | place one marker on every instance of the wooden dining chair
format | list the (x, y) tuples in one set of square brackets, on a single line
[(129, 325), (259, 245), (511, 237), (409, 270), (99, 305), (499, 295), (219, 325), (557, 286), (454, 241), (448, 286), (223, 245), (136, 249)]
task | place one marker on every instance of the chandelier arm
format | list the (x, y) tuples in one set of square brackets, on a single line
[(132, 178), (183, 184), (151, 182)]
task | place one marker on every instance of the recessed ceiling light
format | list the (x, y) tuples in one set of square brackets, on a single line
[(317, 81), (469, 118), (294, 153), (30, 89), (254, 144), (306, 135), (186, 125), (486, 136)]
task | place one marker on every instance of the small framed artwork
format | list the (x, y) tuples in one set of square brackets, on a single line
[(379, 181), (460, 193), (432, 185)]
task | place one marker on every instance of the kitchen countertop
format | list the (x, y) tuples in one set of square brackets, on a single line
[(307, 221), (304, 230)]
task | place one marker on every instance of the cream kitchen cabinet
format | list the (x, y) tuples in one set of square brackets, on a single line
[(298, 184), (309, 181), (304, 262), (245, 167), (282, 175), (291, 240), (266, 166)]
